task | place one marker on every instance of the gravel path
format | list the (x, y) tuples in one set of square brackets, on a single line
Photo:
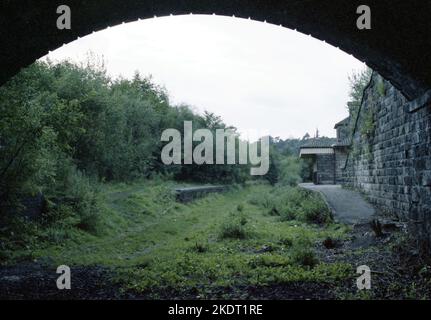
[(348, 206)]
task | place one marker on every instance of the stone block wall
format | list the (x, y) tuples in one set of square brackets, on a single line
[(343, 132), (340, 162), (390, 160), (185, 195), (325, 168)]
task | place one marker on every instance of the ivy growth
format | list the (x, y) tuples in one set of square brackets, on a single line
[(369, 123), (381, 88)]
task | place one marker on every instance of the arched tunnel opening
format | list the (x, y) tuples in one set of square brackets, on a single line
[(110, 171), (400, 30)]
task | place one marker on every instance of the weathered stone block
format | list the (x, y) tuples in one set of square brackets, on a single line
[(426, 179)]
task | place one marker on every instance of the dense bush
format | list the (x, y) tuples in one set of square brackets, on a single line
[(290, 171), (294, 203), (78, 200), (235, 227)]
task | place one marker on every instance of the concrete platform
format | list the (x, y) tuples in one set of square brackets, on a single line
[(348, 206)]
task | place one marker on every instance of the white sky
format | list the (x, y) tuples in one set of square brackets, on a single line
[(256, 76)]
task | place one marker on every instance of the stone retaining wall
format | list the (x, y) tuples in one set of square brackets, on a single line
[(390, 161), (185, 195)]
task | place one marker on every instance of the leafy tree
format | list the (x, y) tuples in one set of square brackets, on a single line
[(63, 124), (290, 171)]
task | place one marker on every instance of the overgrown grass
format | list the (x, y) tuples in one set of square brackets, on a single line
[(157, 246), (235, 226), (294, 203)]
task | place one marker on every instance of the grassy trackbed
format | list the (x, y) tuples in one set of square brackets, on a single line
[(212, 248)]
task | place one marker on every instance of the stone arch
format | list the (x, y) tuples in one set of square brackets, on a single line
[(397, 46)]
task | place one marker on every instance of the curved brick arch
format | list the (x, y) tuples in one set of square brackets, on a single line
[(397, 47)]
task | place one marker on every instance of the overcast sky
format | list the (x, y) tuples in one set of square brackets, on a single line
[(257, 76)]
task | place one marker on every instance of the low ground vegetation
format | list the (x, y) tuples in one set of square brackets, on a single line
[(293, 203), (159, 248), (223, 246)]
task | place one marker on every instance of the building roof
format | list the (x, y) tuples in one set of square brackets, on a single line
[(314, 151), (323, 146), (319, 143), (343, 122)]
